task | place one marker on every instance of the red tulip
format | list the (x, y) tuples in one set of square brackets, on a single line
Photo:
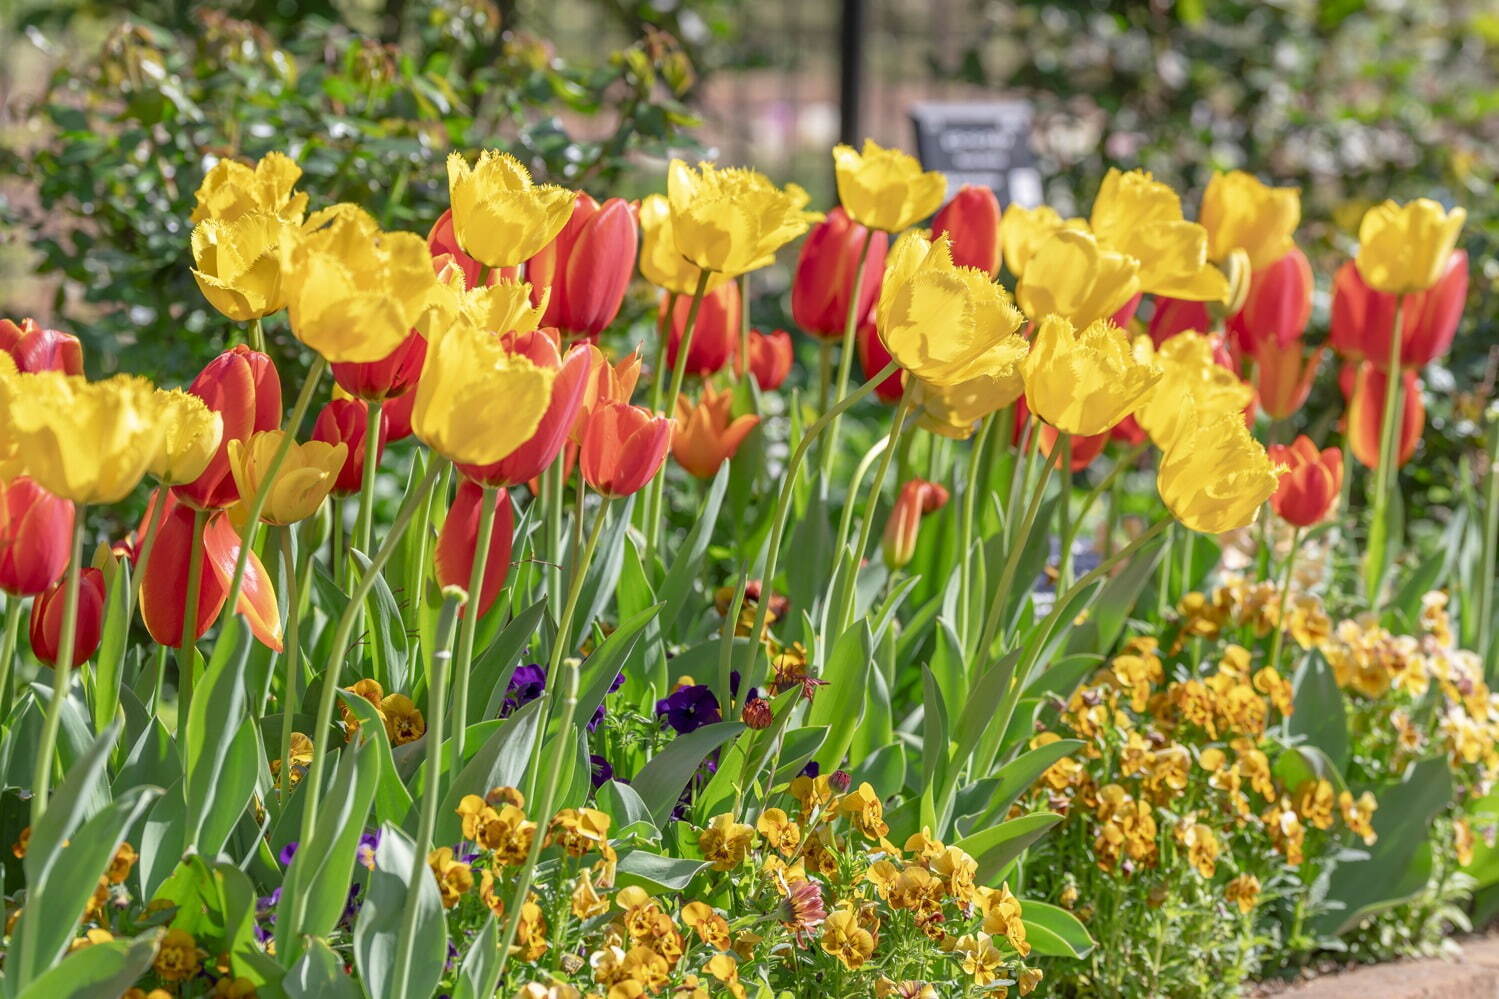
[(1365, 416), (587, 267), (1283, 376), (1083, 449), (715, 337), (1174, 315), (1309, 488), (36, 349), (442, 242), (824, 279), (1126, 314), (1127, 430), (1277, 305), (916, 499), (459, 540), (568, 388), (873, 357), (165, 578), (1362, 318), (344, 421), (623, 448), (242, 386), (971, 221), (49, 609), (397, 413), (388, 377), (770, 357), (36, 534)]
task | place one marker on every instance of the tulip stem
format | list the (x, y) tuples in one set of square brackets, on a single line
[(1106, 487), (742, 370), (1285, 596), (470, 625), (143, 557), (1064, 512), (441, 666), (871, 504), (1387, 475), (257, 336), (824, 373), (187, 650), (966, 524), (1012, 559), (1487, 569), (288, 693), (658, 378), (657, 490), (554, 487), (846, 359), (362, 526), (8, 652), (62, 674)]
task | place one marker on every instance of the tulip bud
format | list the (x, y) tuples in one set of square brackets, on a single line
[(242, 386), (541, 449), (397, 417), (770, 357), (971, 220), (388, 377), (1365, 417), (49, 609), (1405, 248), (824, 279), (345, 421), (704, 435), (916, 499), (623, 448), (1363, 319), (587, 267), (36, 531), (458, 542), (840, 781), (1309, 488), (36, 349), (1283, 376), (1278, 304), (715, 334), (873, 357), (306, 476)]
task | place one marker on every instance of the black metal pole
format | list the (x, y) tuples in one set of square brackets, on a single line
[(851, 35)]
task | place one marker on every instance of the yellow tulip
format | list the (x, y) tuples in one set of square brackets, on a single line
[(732, 220), (231, 189), (238, 264), (938, 320), (353, 292), (476, 402), (306, 476), (1070, 275), (502, 307), (1142, 217), (1404, 248), (1084, 382), (89, 442), (1022, 230), (1215, 476), (187, 435), (9, 464), (1193, 387), (1241, 213), (886, 188), (500, 216), (661, 263), (991, 383)]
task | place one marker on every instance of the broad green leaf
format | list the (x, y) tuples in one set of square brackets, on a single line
[(1319, 713), (319, 974), (378, 928), (500, 762), (1054, 931), (493, 669), (106, 969), (655, 873), (687, 560), (109, 661), (661, 781), (996, 846)]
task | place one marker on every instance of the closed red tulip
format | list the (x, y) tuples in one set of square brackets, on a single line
[(344, 421), (242, 386), (397, 413), (1283, 376), (37, 349), (706, 434), (971, 222), (587, 267), (541, 449), (1083, 449), (1126, 314), (873, 357), (916, 499), (1365, 416), (1309, 489), (1277, 306), (49, 609), (1175, 315), (1363, 319), (824, 279), (623, 448), (458, 541), (165, 577), (442, 243), (770, 357), (388, 377), (36, 534), (715, 338)]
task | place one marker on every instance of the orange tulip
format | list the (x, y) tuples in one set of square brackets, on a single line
[(343, 421), (36, 349), (1365, 416), (916, 499), (242, 386), (873, 357), (824, 279), (971, 222), (36, 533), (1363, 319), (458, 541), (587, 268), (1283, 376), (705, 435), (1309, 489), (1277, 306), (49, 608), (568, 388), (715, 337), (770, 357), (623, 448), (387, 378)]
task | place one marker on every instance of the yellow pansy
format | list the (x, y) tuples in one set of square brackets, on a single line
[(886, 188), (938, 320), (1404, 248), (1139, 216), (237, 263), (1215, 475), (1023, 229), (303, 481), (732, 220), (187, 435), (232, 189), (991, 383), (89, 442), (1072, 276), (1193, 386), (1084, 382), (476, 402), (1240, 213), (354, 292), (500, 216), (661, 263)]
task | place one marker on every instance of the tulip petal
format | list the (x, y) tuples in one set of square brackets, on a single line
[(257, 599)]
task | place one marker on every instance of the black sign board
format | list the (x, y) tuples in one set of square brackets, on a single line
[(983, 144)]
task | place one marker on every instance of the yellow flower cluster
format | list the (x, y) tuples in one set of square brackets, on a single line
[(402, 719)]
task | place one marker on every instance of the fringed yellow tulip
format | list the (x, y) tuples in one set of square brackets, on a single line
[(503, 307), (661, 263), (1241, 213), (1022, 230), (353, 292), (1215, 476), (992, 382), (1404, 248), (476, 402), (1070, 275), (500, 216), (1084, 382), (237, 263), (1193, 387), (89, 442), (886, 188), (732, 220), (306, 476), (232, 189), (1142, 217), (938, 320), (187, 436)]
